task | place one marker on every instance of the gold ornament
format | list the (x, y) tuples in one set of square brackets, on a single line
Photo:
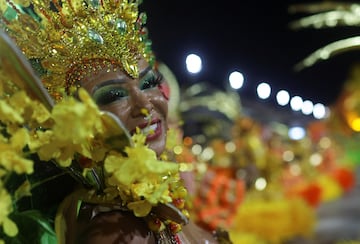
[(72, 39)]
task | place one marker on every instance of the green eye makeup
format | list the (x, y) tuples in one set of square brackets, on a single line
[(108, 94), (113, 90), (150, 80)]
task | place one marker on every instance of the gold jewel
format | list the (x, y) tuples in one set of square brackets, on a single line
[(71, 39)]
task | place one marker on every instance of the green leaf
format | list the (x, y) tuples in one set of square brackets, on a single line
[(34, 228), (47, 238)]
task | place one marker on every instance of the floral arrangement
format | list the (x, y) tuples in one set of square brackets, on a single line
[(130, 175)]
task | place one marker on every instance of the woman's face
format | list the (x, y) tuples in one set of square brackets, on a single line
[(127, 98)]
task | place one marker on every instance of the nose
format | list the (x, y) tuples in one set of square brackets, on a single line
[(138, 101)]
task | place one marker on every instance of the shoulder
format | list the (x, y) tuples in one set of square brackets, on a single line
[(191, 233), (113, 227), (88, 225)]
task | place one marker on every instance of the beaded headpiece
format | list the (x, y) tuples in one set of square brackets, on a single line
[(70, 39)]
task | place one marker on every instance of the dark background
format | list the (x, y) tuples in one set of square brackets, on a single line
[(252, 37)]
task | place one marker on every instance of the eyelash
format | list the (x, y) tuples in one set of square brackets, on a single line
[(110, 95), (152, 82)]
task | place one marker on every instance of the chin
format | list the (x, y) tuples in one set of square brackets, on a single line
[(157, 147)]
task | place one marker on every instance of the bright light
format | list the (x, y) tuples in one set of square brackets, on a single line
[(325, 142), (296, 103), (296, 133), (193, 63), (288, 156), (236, 80), (316, 159), (295, 169), (196, 149), (319, 111), (207, 154), (260, 184), (230, 147), (282, 98), (263, 90), (307, 107), (355, 124)]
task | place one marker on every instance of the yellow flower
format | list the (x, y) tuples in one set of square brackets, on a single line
[(140, 208), (245, 238), (139, 139), (173, 138), (20, 101), (72, 122), (39, 138), (140, 175), (140, 165), (293, 217), (40, 113), (8, 225), (12, 161), (76, 124), (144, 111), (32, 110), (9, 114), (93, 110), (330, 188), (20, 139)]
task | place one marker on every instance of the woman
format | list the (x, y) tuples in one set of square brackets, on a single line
[(128, 98), (101, 46)]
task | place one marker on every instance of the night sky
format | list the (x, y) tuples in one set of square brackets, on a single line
[(252, 37)]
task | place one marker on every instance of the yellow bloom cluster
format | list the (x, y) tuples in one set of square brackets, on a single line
[(8, 225), (14, 111), (245, 238), (78, 129), (11, 160), (256, 216), (27, 127), (331, 190), (140, 178)]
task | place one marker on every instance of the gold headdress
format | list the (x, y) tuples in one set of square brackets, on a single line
[(74, 38)]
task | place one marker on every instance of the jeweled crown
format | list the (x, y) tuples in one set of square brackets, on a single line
[(69, 39)]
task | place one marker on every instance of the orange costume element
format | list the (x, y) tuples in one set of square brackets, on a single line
[(220, 194)]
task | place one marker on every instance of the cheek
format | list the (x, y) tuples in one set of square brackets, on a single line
[(120, 109), (160, 104), (165, 90)]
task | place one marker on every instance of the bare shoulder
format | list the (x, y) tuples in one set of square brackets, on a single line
[(191, 233), (114, 227), (91, 226)]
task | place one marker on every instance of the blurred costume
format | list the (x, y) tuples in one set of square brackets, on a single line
[(209, 113)]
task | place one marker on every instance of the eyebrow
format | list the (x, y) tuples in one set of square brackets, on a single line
[(117, 81)]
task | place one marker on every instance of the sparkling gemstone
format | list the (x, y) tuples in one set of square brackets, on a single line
[(10, 14), (142, 18), (121, 26), (95, 3), (95, 36)]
